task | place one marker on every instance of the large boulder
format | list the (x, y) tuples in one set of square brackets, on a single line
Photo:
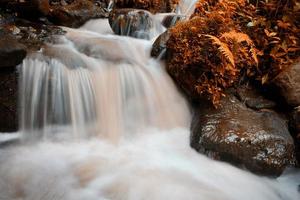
[(76, 13), (131, 22), (153, 6), (257, 140), (72, 13), (288, 83)]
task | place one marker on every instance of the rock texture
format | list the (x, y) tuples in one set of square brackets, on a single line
[(289, 84), (8, 101), (160, 45), (77, 13), (11, 51), (72, 13), (259, 141), (131, 22), (151, 5)]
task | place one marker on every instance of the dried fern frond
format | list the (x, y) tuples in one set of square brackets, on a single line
[(238, 37), (223, 48)]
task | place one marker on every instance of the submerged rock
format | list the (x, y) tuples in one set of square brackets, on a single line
[(171, 19), (288, 83), (131, 22), (160, 45), (259, 141)]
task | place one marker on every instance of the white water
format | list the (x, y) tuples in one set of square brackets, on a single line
[(102, 120)]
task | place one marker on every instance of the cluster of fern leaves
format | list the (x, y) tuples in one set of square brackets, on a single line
[(227, 40)]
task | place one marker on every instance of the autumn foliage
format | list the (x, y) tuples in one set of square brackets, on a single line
[(229, 40)]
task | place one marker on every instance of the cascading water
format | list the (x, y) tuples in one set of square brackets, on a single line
[(98, 85), (120, 130)]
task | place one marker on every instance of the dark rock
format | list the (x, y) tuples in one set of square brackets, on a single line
[(288, 83), (8, 101), (161, 6), (76, 13), (295, 128), (160, 45), (131, 22), (259, 141), (171, 19), (66, 12), (31, 8), (253, 98), (11, 51), (295, 120)]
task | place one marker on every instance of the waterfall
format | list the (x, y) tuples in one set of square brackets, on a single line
[(102, 120), (97, 85)]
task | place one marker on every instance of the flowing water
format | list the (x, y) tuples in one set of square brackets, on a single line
[(100, 119)]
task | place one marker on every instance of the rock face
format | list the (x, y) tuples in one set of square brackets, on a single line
[(259, 141), (153, 6), (76, 13), (131, 22), (11, 51), (8, 101), (252, 98), (72, 13), (289, 84)]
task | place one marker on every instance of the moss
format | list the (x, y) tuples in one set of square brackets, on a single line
[(228, 40)]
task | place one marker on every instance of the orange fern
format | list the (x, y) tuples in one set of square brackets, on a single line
[(223, 48)]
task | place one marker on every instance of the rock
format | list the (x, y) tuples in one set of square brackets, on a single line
[(171, 19), (31, 9), (8, 101), (76, 13), (288, 83), (11, 51), (159, 46), (41, 5), (259, 141), (295, 128), (253, 98), (131, 22), (295, 120), (154, 6)]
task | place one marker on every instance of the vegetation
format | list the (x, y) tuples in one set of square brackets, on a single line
[(228, 40)]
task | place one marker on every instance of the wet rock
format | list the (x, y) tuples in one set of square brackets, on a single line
[(65, 12), (252, 98), (162, 6), (160, 45), (295, 129), (258, 141), (295, 120), (131, 22), (171, 19), (11, 51), (76, 13), (288, 83), (8, 100)]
